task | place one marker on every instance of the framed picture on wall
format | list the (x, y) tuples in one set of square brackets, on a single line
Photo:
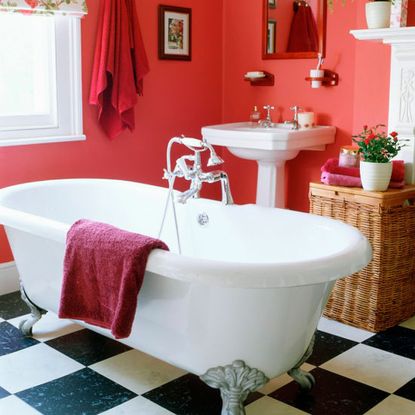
[(271, 35), (175, 33)]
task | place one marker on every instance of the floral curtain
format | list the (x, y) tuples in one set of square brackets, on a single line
[(69, 7)]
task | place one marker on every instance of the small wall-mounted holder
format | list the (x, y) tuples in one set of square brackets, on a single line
[(329, 78), (261, 78)]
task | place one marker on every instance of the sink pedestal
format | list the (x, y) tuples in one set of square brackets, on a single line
[(270, 189)]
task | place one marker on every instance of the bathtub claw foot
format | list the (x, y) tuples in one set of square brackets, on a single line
[(235, 382), (36, 313), (304, 379)]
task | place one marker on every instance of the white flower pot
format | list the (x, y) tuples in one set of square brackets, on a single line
[(375, 176), (378, 14)]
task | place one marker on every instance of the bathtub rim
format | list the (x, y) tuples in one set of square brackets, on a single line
[(208, 271)]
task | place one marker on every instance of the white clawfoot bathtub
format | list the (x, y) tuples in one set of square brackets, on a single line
[(250, 284)]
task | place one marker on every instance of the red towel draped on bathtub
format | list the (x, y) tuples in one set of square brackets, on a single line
[(120, 64), (103, 272)]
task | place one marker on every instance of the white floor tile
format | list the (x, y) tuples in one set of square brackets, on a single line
[(33, 366), (374, 367), (137, 371), (49, 326), (343, 330), (138, 406), (410, 324), (393, 405), (282, 380), (270, 406), (12, 405)]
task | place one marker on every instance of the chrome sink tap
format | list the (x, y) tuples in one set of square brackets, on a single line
[(267, 123), (294, 121), (194, 172)]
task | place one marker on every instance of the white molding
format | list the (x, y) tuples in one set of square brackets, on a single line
[(9, 278), (40, 140), (401, 88), (388, 36)]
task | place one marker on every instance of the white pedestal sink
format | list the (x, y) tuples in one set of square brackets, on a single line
[(270, 148)]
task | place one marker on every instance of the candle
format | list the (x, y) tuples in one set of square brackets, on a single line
[(306, 119)]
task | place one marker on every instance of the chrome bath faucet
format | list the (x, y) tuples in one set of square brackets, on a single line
[(194, 172)]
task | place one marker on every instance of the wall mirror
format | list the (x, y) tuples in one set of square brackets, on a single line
[(293, 29)]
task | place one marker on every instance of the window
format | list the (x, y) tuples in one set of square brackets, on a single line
[(40, 79)]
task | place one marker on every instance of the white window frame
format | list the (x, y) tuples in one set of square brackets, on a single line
[(66, 123)]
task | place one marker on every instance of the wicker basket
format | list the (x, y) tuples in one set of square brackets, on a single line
[(383, 293)]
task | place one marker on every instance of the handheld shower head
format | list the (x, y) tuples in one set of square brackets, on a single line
[(214, 159)]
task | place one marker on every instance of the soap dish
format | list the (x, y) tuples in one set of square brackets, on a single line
[(255, 75), (260, 78)]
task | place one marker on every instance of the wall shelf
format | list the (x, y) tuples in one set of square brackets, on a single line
[(267, 80), (398, 35)]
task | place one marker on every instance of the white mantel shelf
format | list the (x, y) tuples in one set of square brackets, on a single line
[(402, 86), (388, 36)]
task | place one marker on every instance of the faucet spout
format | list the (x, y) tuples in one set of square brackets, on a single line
[(193, 192), (267, 123)]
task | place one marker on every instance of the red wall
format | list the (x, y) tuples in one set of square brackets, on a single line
[(361, 96), (179, 97)]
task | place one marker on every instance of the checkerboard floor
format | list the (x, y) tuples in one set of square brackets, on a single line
[(67, 370)]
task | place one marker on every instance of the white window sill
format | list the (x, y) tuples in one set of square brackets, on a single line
[(40, 140)]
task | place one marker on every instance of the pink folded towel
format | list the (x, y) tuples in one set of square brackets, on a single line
[(103, 272), (332, 166), (350, 181)]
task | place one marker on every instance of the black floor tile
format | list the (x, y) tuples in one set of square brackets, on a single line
[(188, 395), (11, 306), (87, 347), (331, 395), (12, 340), (407, 391), (328, 346), (84, 392), (398, 340), (3, 393)]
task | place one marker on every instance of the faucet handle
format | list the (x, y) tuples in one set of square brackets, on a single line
[(296, 110), (268, 108)]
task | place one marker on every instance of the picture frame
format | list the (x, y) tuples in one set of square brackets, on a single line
[(271, 36), (272, 4), (175, 33)]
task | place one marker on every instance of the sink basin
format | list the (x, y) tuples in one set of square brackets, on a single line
[(270, 148)]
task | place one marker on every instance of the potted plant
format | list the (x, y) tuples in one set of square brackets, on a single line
[(378, 13), (377, 150)]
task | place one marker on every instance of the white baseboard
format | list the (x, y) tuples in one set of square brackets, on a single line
[(9, 278)]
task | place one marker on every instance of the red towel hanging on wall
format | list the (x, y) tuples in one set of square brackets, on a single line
[(303, 33), (120, 64)]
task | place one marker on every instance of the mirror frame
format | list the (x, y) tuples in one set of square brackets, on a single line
[(321, 29)]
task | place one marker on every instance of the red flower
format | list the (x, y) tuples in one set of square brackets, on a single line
[(32, 3), (395, 139), (393, 134), (364, 127)]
